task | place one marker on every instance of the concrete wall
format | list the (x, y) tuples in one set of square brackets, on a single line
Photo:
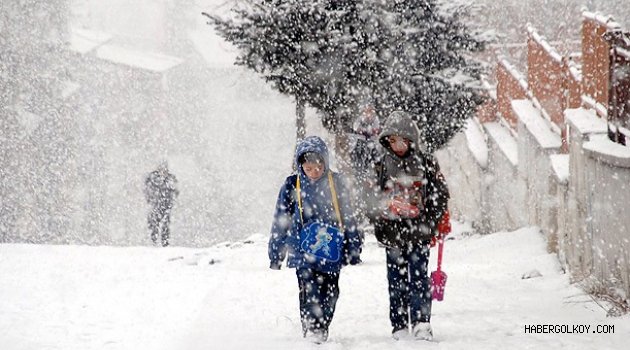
[(550, 163), (579, 200), (505, 191), (465, 177), (610, 220), (607, 170), (483, 178), (597, 226), (578, 235)]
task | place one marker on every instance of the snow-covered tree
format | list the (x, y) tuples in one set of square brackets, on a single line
[(305, 48), (425, 65), (402, 54)]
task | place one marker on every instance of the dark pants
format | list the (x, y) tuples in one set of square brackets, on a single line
[(319, 292), (409, 285), (159, 219)]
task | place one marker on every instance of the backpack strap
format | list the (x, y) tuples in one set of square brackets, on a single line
[(334, 199), (299, 198)]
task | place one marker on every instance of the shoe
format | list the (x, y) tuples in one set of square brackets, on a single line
[(317, 336), (422, 331), (400, 334)]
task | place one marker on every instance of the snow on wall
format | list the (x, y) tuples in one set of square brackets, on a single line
[(476, 142), (595, 229), (531, 118), (606, 21), (584, 121), (485, 190), (597, 223), (611, 152), (544, 44), (465, 178), (576, 241), (608, 172), (579, 200), (504, 140), (514, 73), (589, 102), (519, 184), (505, 193), (536, 143), (560, 164)]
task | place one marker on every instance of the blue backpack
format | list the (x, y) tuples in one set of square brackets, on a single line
[(322, 243)]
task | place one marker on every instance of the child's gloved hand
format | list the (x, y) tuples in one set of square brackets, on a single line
[(400, 208), (275, 265), (355, 260), (443, 228)]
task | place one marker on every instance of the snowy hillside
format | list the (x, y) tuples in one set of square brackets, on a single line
[(225, 297)]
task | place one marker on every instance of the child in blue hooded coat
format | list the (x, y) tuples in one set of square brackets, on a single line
[(314, 225)]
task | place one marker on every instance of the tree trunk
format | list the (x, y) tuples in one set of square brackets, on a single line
[(300, 123)]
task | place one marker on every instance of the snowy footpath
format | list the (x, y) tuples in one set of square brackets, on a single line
[(225, 297)]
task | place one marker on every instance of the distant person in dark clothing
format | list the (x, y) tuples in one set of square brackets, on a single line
[(364, 155), (160, 190)]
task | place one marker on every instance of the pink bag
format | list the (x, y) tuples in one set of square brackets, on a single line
[(438, 277)]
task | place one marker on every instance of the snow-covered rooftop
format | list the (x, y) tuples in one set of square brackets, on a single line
[(533, 120), (138, 59), (217, 52), (504, 139), (83, 41)]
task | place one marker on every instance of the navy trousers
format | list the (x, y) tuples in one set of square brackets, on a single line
[(409, 285), (319, 292)]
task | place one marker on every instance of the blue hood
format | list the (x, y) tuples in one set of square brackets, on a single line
[(311, 144)]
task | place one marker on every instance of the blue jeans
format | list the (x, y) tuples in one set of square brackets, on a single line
[(319, 292), (409, 285)]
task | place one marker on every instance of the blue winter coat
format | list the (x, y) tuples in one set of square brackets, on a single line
[(317, 205)]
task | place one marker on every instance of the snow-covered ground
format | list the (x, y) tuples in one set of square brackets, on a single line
[(225, 297)]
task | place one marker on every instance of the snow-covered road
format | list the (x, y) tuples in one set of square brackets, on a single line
[(225, 297)]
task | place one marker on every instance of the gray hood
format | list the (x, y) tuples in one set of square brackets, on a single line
[(400, 123)]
